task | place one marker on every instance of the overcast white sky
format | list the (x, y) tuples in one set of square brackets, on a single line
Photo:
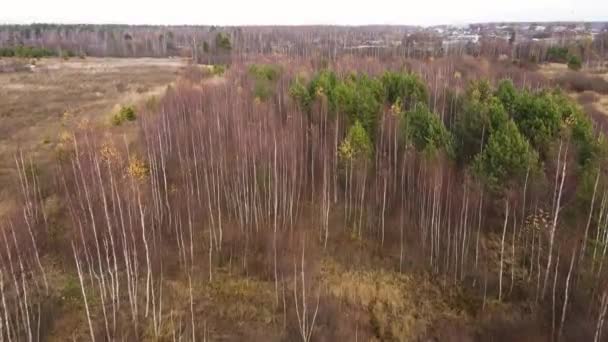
[(285, 12)]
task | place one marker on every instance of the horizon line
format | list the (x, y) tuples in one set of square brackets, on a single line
[(75, 23)]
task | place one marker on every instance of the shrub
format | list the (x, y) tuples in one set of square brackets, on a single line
[(218, 70), (137, 169), (66, 54), (7, 52), (557, 54), (26, 52), (574, 63), (117, 120), (126, 113)]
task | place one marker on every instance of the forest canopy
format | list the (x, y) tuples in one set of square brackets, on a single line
[(503, 134), (271, 191)]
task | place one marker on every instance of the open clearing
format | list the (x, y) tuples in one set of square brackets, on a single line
[(594, 101), (37, 106)]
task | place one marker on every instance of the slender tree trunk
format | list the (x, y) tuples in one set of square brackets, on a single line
[(502, 250), (561, 326)]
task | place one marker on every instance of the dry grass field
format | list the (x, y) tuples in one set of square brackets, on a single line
[(588, 87), (39, 103)]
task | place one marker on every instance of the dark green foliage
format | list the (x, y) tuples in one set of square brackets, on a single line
[(126, 113), (26, 52), (359, 98), (67, 54), (268, 72), (264, 78), (480, 115), (299, 92), (480, 90), (557, 54), (324, 82), (324, 85), (544, 115), (425, 130), (585, 187), (262, 90), (580, 127), (506, 158), (404, 87), (222, 42), (597, 151), (574, 63), (7, 52), (538, 117), (507, 94), (218, 70)]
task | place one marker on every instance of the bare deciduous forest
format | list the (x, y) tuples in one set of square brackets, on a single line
[(288, 187)]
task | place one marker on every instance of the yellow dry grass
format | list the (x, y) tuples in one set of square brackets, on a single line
[(228, 297), (39, 110), (552, 70), (555, 70), (401, 307)]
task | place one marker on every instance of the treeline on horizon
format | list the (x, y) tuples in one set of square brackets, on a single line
[(330, 42)]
